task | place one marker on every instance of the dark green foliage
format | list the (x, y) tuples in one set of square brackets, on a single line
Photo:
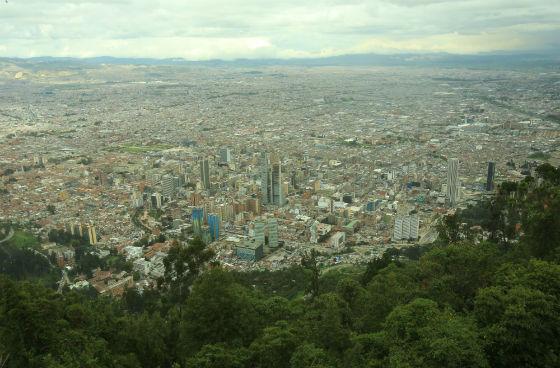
[(219, 311), (521, 326), (275, 347), (420, 335), (453, 274), (309, 262), (326, 323), (374, 266), (310, 356), (219, 356)]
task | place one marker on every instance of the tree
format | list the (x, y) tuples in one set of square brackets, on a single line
[(274, 347), (377, 264), (521, 326), (453, 274), (420, 335), (219, 356), (183, 264), (310, 356), (309, 262), (449, 228), (392, 286), (549, 173), (367, 350), (219, 311), (326, 323)]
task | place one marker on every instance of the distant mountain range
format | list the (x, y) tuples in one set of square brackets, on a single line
[(540, 59)]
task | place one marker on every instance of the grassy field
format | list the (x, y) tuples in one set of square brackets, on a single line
[(145, 149), (22, 239), (540, 156)]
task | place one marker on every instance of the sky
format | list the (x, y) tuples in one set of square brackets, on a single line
[(230, 29)]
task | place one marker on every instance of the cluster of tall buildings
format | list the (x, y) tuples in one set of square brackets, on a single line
[(210, 232), (454, 185), (79, 229), (271, 228)]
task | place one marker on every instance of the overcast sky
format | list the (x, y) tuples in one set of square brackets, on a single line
[(228, 29)]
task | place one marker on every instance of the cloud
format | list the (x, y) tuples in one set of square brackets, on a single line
[(207, 29)]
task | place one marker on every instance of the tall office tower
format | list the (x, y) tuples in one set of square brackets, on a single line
[(277, 190), (197, 218), (490, 176), (259, 232), (453, 181), (266, 179), (225, 156), (168, 186), (214, 226), (272, 227), (92, 235), (205, 173), (155, 200)]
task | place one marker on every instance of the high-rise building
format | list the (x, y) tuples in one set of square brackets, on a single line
[(272, 186), (266, 179), (225, 156), (406, 227), (168, 186), (205, 173), (490, 176), (453, 181), (277, 190), (155, 200), (197, 218), (92, 235), (272, 227), (259, 232), (214, 226)]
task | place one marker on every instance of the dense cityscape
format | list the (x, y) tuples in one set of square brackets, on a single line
[(263, 164)]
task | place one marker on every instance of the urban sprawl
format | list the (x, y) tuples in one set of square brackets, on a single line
[(263, 164)]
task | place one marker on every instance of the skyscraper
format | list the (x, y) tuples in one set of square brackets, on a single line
[(225, 156), (490, 176), (266, 179), (271, 181), (272, 227), (155, 200), (168, 186), (277, 191), (214, 226), (197, 218), (92, 235), (259, 232), (453, 181), (205, 173)]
